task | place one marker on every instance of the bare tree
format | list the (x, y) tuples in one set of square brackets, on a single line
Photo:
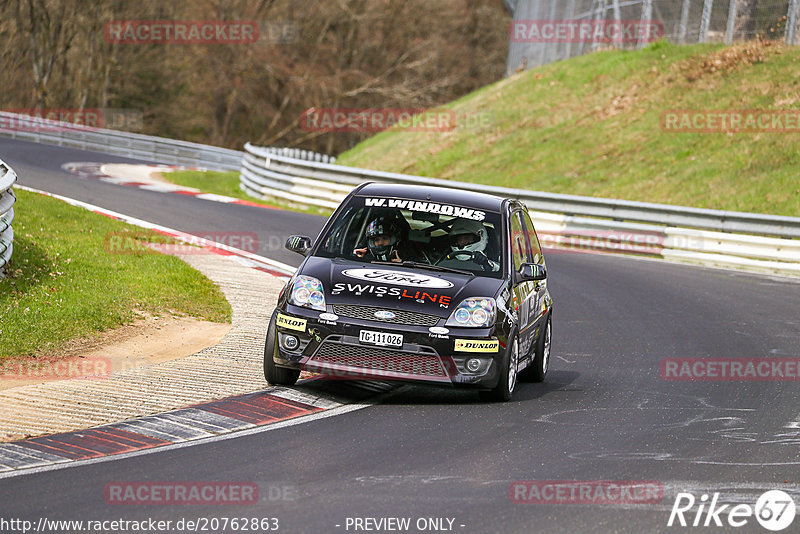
[(347, 53)]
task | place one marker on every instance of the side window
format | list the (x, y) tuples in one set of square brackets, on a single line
[(520, 250), (536, 248)]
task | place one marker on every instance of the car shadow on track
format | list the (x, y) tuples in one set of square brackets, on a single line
[(411, 394)]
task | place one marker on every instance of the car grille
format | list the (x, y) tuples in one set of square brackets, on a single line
[(367, 313), (378, 360)]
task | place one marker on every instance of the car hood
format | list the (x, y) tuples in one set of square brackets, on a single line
[(386, 286)]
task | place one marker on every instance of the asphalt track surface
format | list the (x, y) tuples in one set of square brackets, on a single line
[(605, 412)]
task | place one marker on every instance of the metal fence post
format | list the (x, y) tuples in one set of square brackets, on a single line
[(705, 21), (731, 21), (549, 56), (618, 21), (791, 22), (571, 9), (647, 17), (684, 26), (599, 8)]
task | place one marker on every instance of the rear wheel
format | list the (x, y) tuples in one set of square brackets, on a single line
[(277, 376), (508, 375)]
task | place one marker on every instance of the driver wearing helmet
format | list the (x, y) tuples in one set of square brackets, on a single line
[(383, 240), (468, 240)]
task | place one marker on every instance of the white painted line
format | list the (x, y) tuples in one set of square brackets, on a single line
[(112, 180), (165, 188), (216, 198)]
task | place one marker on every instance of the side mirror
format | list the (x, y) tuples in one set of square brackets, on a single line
[(532, 271), (299, 243)]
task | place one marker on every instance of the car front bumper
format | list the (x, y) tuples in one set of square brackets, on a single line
[(333, 349)]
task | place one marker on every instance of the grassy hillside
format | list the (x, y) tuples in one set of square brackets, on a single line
[(592, 126)]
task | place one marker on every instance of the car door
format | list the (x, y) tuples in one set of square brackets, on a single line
[(524, 290), (539, 286)]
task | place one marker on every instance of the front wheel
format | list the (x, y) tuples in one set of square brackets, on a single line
[(541, 360), (277, 376), (508, 375)]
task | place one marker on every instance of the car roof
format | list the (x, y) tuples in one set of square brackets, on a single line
[(441, 195)]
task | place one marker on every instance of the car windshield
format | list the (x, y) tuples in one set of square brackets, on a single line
[(405, 230)]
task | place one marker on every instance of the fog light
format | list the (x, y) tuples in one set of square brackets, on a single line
[(290, 342), (473, 364)]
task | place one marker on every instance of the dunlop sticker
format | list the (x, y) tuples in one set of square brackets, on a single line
[(476, 345), (292, 323)]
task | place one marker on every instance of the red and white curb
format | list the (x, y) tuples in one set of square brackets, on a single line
[(227, 418), (95, 171), (248, 259)]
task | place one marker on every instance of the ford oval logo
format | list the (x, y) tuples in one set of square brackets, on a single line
[(385, 315), (398, 278)]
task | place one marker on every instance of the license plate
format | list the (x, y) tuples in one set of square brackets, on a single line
[(380, 338)]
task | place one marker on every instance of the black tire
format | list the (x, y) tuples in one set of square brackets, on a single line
[(277, 376), (508, 380), (537, 371)]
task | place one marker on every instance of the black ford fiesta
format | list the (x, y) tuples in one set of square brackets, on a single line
[(418, 284)]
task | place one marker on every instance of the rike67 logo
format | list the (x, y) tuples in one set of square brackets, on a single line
[(774, 510)]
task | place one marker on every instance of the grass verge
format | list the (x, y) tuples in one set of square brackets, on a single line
[(63, 283), (592, 125)]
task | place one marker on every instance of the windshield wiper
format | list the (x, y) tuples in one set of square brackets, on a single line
[(413, 264)]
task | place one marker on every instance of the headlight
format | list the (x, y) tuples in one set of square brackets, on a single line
[(474, 312), (308, 293)]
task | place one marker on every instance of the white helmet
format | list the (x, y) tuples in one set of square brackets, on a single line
[(465, 227)]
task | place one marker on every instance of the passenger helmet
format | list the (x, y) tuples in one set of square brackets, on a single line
[(478, 236)]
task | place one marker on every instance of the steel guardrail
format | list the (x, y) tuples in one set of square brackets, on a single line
[(133, 145), (119, 143), (7, 198), (767, 243)]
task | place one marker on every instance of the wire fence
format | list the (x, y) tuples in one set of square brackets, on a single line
[(7, 198), (544, 31)]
